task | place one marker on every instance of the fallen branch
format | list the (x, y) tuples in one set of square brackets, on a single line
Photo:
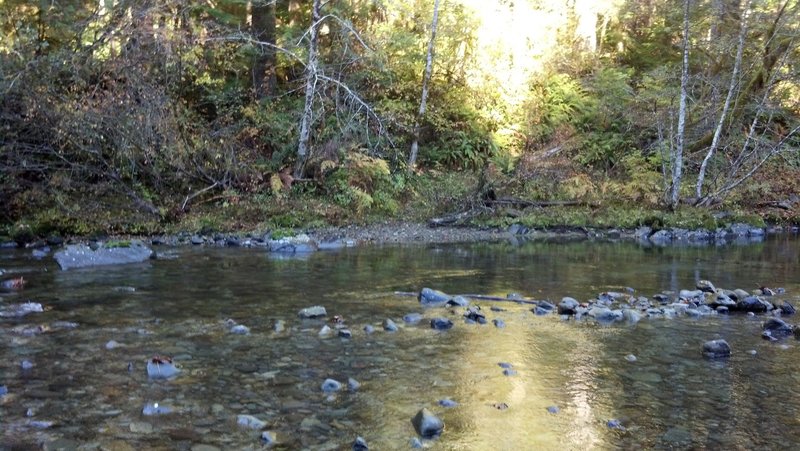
[(480, 297), (454, 219), (543, 203)]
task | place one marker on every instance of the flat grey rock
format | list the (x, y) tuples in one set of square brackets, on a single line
[(82, 256)]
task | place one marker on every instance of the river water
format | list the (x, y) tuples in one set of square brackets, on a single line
[(94, 391)]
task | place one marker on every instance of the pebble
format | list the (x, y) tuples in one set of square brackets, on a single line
[(111, 344), (154, 408), (345, 333), (353, 384), (267, 438), (26, 364), (553, 409), (499, 323), (331, 385), (250, 421), (631, 358), (447, 402), (415, 443), (615, 424), (504, 365), (360, 444), (369, 329), (240, 330), (509, 372)]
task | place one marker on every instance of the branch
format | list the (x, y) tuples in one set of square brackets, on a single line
[(192, 196)]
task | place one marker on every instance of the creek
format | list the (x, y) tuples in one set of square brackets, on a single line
[(85, 383)]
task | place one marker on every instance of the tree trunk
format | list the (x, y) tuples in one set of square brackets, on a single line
[(426, 78), (677, 168), (731, 89), (264, 83), (311, 82)]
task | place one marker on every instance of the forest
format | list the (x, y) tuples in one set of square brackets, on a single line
[(144, 116)]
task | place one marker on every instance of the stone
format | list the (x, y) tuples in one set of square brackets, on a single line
[(568, 306), (474, 314), (458, 301), (615, 424), (631, 316), (267, 439), (553, 409), (161, 368), (415, 443), (20, 310), (154, 408), (509, 372), (83, 256), (316, 311), (447, 402), (240, 330), (605, 314), (427, 424), (389, 325), (430, 297), (325, 331), (499, 323), (331, 385), (368, 329), (279, 326), (777, 328), (412, 318), (630, 358), (716, 349), (345, 333), (441, 324), (352, 384), (705, 286), (787, 308), (540, 311), (197, 240), (360, 444), (753, 304), (249, 421), (504, 365)]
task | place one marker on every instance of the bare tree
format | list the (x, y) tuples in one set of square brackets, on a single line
[(732, 89), (677, 160), (311, 82), (426, 78)]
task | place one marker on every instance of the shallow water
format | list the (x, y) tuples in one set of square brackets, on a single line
[(669, 398)]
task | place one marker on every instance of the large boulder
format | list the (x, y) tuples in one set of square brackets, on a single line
[(83, 256), (714, 349), (428, 296), (777, 328), (427, 424), (753, 304), (567, 306)]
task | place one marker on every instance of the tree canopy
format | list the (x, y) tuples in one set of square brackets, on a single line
[(167, 104)]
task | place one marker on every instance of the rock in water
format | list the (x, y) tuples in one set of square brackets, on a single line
[(716, 349), (331, 385), (155, 408), (250, 421), (316, 311), (389, 325), (441, 324), (82, 256), (160, 367), (431, 297), (568, 306), (777, 328), (360, 444), (427, 424), (705, 286)]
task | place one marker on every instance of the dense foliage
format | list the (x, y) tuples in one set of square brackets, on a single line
[(128, 115)]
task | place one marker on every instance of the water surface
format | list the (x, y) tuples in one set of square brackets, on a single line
[(669, 398)]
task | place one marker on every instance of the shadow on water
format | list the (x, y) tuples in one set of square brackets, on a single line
[(90, 380)]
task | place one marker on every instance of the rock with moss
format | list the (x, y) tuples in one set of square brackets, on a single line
[(113, 253)]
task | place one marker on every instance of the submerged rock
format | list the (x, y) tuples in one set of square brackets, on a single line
[(458, 301), (553, 409), (20, 310), (331, 385), (427, 424), (499, 323), (360, 444), (389, 325), (352, 384), (787, 308), (777, 328), (250, 421), (568, 306), (441, 323), (716, 349), (447, 402), (240, 330), (430, 297), (82, 256), (154, 408), (412, 318), (474, 314), (753, 304), (160, 367), (316, 311)]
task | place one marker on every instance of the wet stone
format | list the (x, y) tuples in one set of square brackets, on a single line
[(615, 424), (250, 422), (353, 385), (331, 385), (316, 311), (441, 324), (345, 333), (429, 297), (716, 349), (267, 438), (240, 330), (412, 318), (509, 372), (154, 408), (447, 402), (368, 329), (553, 409), (389, 325), (427, 424), (360, 444), (499, 323)]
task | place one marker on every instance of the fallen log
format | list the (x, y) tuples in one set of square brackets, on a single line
[(480, 297)]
